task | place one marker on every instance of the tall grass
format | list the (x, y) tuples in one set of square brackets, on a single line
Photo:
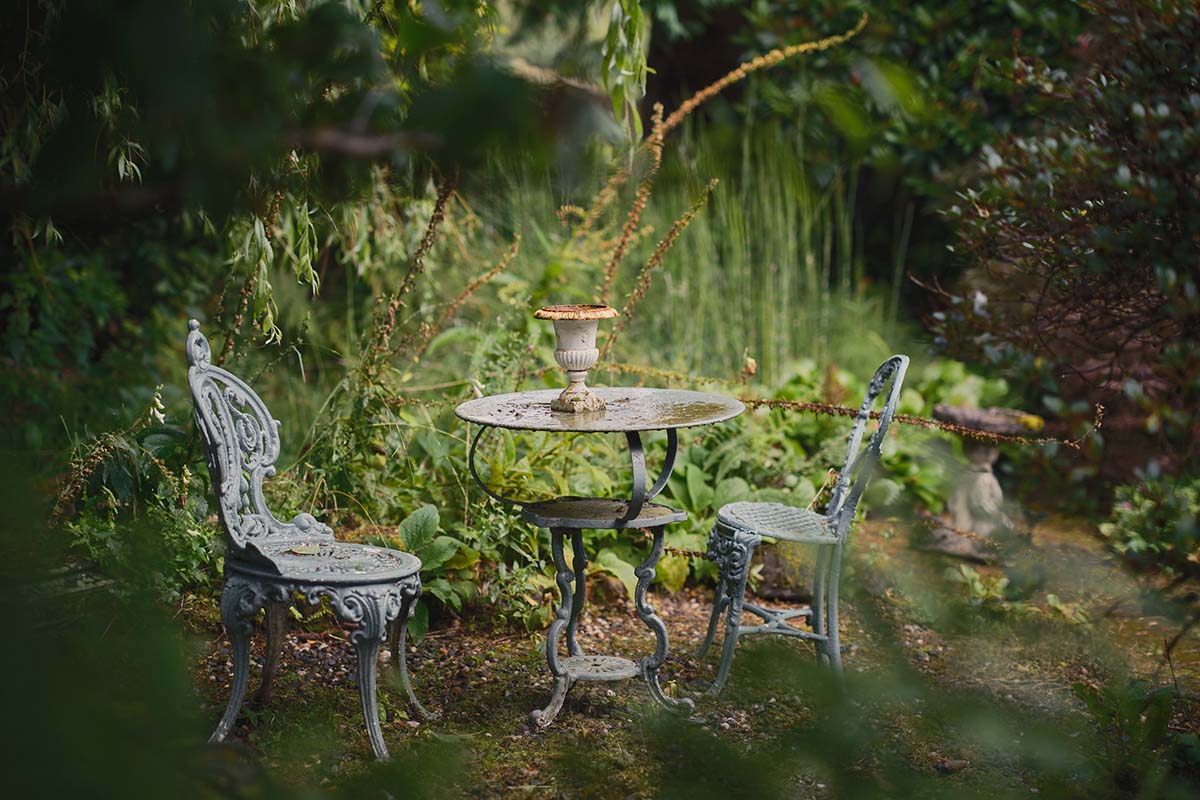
[(770, 269)]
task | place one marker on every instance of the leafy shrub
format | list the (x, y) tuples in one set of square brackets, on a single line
[(1140, 748), (1084, 237), (1158, 514), (141, 520), (384, 447), (923, 93)]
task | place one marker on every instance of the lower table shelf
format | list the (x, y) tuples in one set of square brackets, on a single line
[(597, 513), (599, 668)]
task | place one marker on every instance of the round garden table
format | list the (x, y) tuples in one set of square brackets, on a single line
[(632, 412)]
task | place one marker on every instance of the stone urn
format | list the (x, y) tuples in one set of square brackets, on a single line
[(575, 330)]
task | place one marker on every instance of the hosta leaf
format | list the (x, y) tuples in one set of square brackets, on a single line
[(699, 492), (608, 561), (437, 553), (672, 572), (419, 624), (731, 490), (418, 528)]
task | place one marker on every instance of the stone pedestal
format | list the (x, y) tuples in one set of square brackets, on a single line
[(976, 505)]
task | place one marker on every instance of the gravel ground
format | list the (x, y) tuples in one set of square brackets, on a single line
[(608, 739)]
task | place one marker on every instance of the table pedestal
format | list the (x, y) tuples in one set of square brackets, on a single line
[(577, 666)]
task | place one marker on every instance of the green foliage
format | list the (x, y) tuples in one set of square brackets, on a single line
[(986, 592), (924, 92), (197, 101), (895, 119), (160, 159), (769, 269), (1160, 514), (624, 68), (363, 294), (1096, 205), (1140, 747), (137, 518), (1000, 597), (163, 551)]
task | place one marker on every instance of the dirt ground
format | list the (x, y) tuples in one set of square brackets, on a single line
[(917, 650)]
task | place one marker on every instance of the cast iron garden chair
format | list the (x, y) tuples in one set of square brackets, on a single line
[(269, 561), (742, 527)]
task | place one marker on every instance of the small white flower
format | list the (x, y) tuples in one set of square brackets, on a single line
[(979, 303)]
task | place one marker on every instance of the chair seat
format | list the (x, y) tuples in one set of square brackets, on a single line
[(777, 521), (329, 562), (597, 513)]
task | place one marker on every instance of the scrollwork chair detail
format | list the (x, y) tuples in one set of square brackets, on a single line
[(741, 527), (269, 561)]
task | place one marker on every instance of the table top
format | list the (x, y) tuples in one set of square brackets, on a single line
[(626, 409)]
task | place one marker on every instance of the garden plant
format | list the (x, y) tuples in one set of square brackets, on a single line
[(364, 202)]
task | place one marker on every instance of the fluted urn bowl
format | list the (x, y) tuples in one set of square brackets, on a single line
[(576, 352)]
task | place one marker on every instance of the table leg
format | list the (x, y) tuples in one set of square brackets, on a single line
[(651, 663), (562, 680), (579, 596), (637, 461)]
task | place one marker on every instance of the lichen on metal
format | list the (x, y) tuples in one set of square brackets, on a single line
[(575, 311), (268, 561)]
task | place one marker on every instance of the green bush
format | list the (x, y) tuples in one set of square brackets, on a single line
[(1084, 237), (1158, 514), (140, 520)]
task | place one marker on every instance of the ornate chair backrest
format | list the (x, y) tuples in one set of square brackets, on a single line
[(241, 443), (861, 462)]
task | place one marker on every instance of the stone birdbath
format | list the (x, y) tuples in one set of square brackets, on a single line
[(976, 504), (575, 330)]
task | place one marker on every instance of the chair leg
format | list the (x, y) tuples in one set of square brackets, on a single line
[(371, 609), (834, 648), (241, 600), (276, 630), (400, 655), (718, 607), (737, 571), (579, 595), (366, 647), (819, 604)]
